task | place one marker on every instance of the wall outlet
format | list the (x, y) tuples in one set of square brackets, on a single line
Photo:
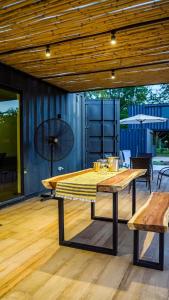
[(60, 168)]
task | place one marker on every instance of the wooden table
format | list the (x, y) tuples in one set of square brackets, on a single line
[(112, 185)]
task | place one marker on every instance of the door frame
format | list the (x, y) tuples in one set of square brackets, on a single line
[(20, 92)]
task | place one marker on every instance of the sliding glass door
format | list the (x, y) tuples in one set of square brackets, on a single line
[(10, 162)]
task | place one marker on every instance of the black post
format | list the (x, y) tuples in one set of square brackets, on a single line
[(142, 137), (115, 223), (102, 128), (51, 161)]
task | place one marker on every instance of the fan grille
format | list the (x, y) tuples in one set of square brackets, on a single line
[(54, 137)]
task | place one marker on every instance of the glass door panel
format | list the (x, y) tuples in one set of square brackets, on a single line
[(10, 170)]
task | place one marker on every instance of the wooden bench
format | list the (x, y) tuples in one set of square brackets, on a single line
[(153, 216)]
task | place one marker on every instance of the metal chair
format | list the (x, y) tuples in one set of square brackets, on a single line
[(163, 172), (142, 163), (148, 155)]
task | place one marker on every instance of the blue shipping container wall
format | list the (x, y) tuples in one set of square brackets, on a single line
[(131, 139)]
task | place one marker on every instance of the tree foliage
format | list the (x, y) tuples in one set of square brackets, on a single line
[(133, 95), (164, 93)]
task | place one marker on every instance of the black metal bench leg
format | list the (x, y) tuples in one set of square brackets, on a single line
[(136, 247), (161, 251), (145, 263)]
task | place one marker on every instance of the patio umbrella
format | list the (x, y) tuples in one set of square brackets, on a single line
[(142, 119)]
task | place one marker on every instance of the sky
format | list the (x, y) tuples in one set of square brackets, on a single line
[(155, 88), (6, 105)]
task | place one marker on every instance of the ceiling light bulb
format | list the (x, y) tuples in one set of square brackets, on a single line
[(48, 54), (113, 39), (113, 75)]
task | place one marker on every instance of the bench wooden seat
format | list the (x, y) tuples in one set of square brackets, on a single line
[(153, 216)]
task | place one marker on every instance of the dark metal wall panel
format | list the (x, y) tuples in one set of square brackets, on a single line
[(41, 101), (101, 129), (160, 110), (72, 111)]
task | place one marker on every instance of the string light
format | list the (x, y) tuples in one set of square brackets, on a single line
[(47, 52), (113, 38), (113, 76)]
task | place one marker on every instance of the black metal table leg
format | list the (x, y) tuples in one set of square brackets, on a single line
[(99, 249), (114, 220), (115, 223), (61, 219), (122, 221), (92, 210), (133, 197), (145, 263)]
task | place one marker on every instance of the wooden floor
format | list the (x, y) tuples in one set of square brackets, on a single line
[(8, 191), (34, 266)]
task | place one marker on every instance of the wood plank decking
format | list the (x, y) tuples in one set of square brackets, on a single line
[(34, 266)]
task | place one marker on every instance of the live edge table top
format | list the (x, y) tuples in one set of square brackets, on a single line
[(111, 185)]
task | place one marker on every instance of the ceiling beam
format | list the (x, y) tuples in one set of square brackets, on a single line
[(107, 70)]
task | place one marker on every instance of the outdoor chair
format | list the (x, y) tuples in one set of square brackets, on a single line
[(126, 158), (164, 172), (148, 155), (142, 163), (121, 158)]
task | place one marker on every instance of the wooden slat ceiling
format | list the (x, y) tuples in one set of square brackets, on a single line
[(79, 35)]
